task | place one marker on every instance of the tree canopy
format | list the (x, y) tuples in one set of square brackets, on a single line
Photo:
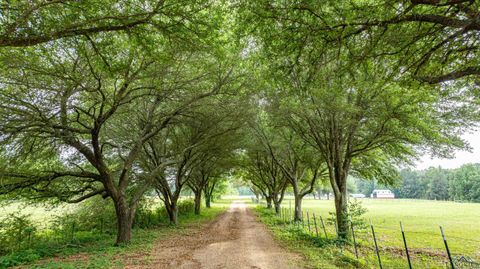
[(121, 99)]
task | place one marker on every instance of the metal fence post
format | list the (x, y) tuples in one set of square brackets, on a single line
[(406, 247), (324, 229), (308, 223), (376, 246), (290, 210), (303, 222), (446, 247), (354, 240), (315, 223)]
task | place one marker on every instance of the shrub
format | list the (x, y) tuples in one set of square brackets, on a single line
[(356, 211), (95, 214), (186, 206), (16, 231), (354, 214), (146, 216)]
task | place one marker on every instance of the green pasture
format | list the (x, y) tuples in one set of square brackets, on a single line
[(421, 220)]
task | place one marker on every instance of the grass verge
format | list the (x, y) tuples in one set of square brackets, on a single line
[(97, 251), (319, 252)]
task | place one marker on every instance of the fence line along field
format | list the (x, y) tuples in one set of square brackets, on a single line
[(421, 220)]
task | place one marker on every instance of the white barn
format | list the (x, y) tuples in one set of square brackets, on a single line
[(382, 194)]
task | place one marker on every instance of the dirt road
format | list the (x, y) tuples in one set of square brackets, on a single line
[(234, 240)]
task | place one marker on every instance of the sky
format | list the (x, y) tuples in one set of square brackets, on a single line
[(461, 157)]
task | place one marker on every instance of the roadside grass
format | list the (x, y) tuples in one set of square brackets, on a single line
[(90, 250), (320, 253), (421, 220)]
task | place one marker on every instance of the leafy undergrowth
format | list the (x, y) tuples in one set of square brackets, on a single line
[(97, 251), (319, 252)]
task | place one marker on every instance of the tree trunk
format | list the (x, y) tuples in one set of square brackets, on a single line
[(298, 207), (198, 200), (207, 202), (297, 212), (172, 211), (341, 211), (277, 206), (269, 201), (125, 216)]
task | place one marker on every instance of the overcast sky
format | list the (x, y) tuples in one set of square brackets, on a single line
[(461, 157)]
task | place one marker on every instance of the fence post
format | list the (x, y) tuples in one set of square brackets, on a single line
[(406, 247), (308, 223), (446, 247), (324, 229), (354, 240), (315, 223), (303, 222), (376, 246), (290, 211)]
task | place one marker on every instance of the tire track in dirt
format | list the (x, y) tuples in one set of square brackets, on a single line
[(235, 239)]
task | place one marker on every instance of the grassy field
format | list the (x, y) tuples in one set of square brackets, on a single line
[(421, 220)]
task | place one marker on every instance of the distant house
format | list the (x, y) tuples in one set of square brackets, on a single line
[(382, 194), (357, 195)]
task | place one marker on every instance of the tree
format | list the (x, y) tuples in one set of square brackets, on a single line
[(266, 175), (437, 183), (285, 152), (436, 41), (412, 186), (217, 153), (211, 188), (464, 183), (430, 41), (27, 23), (90, 106), (301, 168), (363, 123), (357, 111), (192, 143)]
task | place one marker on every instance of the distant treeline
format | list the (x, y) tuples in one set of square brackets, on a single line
[(434, 183)]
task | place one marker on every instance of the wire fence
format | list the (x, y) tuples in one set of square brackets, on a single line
[(382, 247)]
